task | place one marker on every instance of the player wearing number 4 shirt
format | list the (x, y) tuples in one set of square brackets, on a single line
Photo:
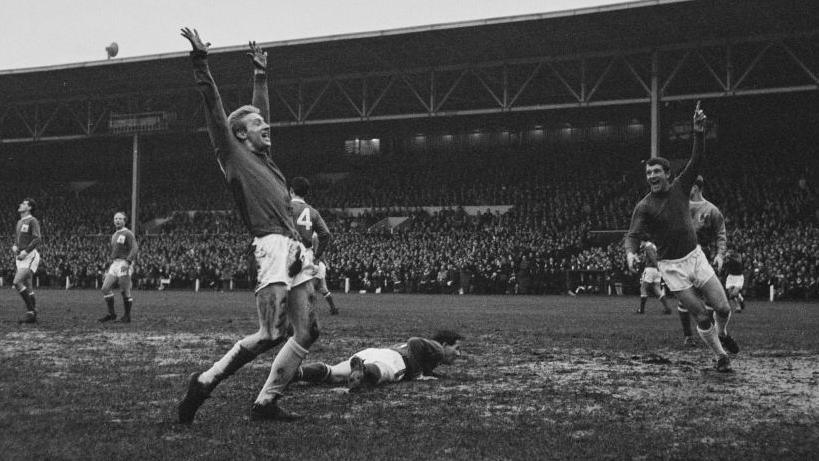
[(27, 238), (123, 251), (314, 235)]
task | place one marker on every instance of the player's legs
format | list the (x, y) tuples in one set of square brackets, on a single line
[(270, 306), (690, 300), (714, 295), (324, 291), (643, 296), (658, 291), (302, 316), (107, 289), (127, 299), (23, 283)]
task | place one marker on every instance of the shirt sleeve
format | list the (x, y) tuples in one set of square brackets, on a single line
[(132, 243), (36, 236), (721, 234), (636, 231), (261, 98), (217, 123), (694, 165), (323, 233)]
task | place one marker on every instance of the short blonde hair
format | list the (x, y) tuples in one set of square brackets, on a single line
[(235, 117)]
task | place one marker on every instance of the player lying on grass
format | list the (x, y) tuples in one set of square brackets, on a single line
[(414, 359)]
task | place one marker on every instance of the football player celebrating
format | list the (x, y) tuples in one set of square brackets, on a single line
[(662, 216), (241, 142)]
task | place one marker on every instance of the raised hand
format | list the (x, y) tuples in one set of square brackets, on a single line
[(699, 119), (193, 36), (258, 56)]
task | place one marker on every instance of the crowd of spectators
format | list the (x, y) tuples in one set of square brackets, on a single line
[(541, 245)]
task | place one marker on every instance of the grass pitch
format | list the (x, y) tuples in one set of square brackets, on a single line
[(542, 378)]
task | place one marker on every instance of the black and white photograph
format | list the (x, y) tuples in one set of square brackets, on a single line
[(376, 230)]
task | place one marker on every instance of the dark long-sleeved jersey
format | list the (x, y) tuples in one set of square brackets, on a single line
[(664, 218), (733, 266), (258, 186), (123, 245), (307, 221), (421, 356), (27, 234)]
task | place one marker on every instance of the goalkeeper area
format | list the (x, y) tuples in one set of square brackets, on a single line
[(552, 377)]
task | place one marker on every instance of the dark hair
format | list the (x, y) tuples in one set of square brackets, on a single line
[(31, 203), (660, 161), (300, 185), (447, 337), (699, 182)]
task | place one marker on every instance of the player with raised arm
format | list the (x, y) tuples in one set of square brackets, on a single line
[(26, 240), (242, 144), (123, 253), (662, 217), (651, 279), (415, 359)]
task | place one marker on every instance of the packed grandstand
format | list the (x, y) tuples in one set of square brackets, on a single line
[(472, 202)]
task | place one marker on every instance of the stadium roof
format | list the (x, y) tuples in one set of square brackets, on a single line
[(633, 25)]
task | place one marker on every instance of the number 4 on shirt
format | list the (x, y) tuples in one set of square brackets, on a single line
[(304, 219)]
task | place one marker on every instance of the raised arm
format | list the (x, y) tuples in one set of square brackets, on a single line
[(217, 123), (261, 99), (694, 165)]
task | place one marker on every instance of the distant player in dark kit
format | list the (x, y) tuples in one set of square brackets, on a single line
[(414, 359), (242, 144), (663, 217), (735, 280), (315, 235), (27, 237), (651, 279), (123, 253)]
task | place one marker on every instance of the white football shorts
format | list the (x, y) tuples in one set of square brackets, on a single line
[(120, 268), (274, 254), (30, 262), (692, 269)]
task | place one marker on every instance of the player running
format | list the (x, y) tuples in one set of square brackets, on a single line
[(27, 237), (414, 359), (242, 144), (123, 253), (662, 216), (651, 279)]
